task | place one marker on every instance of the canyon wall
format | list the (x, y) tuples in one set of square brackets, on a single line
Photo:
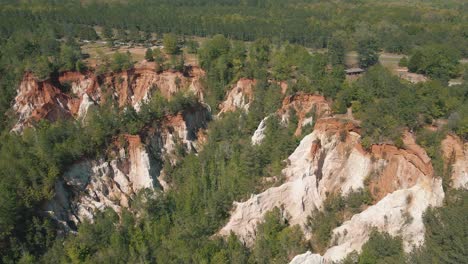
[(133, 162), (71, 93), (332, 160)]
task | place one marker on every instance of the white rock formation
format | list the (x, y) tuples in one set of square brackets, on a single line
[(331, 160), (318, 165), (259, 134), (399, 214), (113, 179), (307, 121), (307, 108), (89, 186), (308, 258), (139, 174), (34, 101), (85, 104)]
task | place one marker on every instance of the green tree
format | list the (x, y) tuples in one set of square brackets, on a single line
[(69, 56), (336, 51), (121, 61), (107, 32), (276, 242), (41, 67), (213, 49), (134, 35), (121, 35), (170, 43), (446, 237), (403, 62), (259, 52), (147, 36), (87, 33), (368, 52), (458, 121), (382, 248), (149, 55), (437, 61), (192, 46), (80, 66)]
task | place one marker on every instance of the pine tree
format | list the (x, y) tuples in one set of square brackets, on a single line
[(149, 55), (368, 52)]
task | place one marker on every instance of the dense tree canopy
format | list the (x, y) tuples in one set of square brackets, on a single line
[(446, 232), (386, 105), (177, 226), (437, 61)]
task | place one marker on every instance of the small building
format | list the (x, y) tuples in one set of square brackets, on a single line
[(354, 71)]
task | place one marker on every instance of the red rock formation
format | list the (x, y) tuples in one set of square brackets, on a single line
[(38, 100), (455, 153), (239, 97), (403, 168), (63, 97), (307, 108)]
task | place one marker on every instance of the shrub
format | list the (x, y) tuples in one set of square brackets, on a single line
[(403, 62), (382, 248)]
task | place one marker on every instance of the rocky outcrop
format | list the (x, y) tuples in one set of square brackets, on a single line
[(307, 107), (39, 100), (259, 133), (308, 258), (239, 97), (399, 214), (183, 129), (392, 175), (72, 93), (132, 164), (331, 160), (92, 185), (301, 194), (455, 153)]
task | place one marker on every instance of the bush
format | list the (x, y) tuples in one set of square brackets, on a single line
[(403, 62), (170, 44), (149, 55), (121, 61), (192, 46), (382, 248)]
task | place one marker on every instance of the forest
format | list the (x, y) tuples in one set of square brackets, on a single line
[(260, 39)]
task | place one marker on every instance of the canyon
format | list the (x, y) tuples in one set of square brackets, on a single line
[(133, 162), (329, 160), (332, 160)]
